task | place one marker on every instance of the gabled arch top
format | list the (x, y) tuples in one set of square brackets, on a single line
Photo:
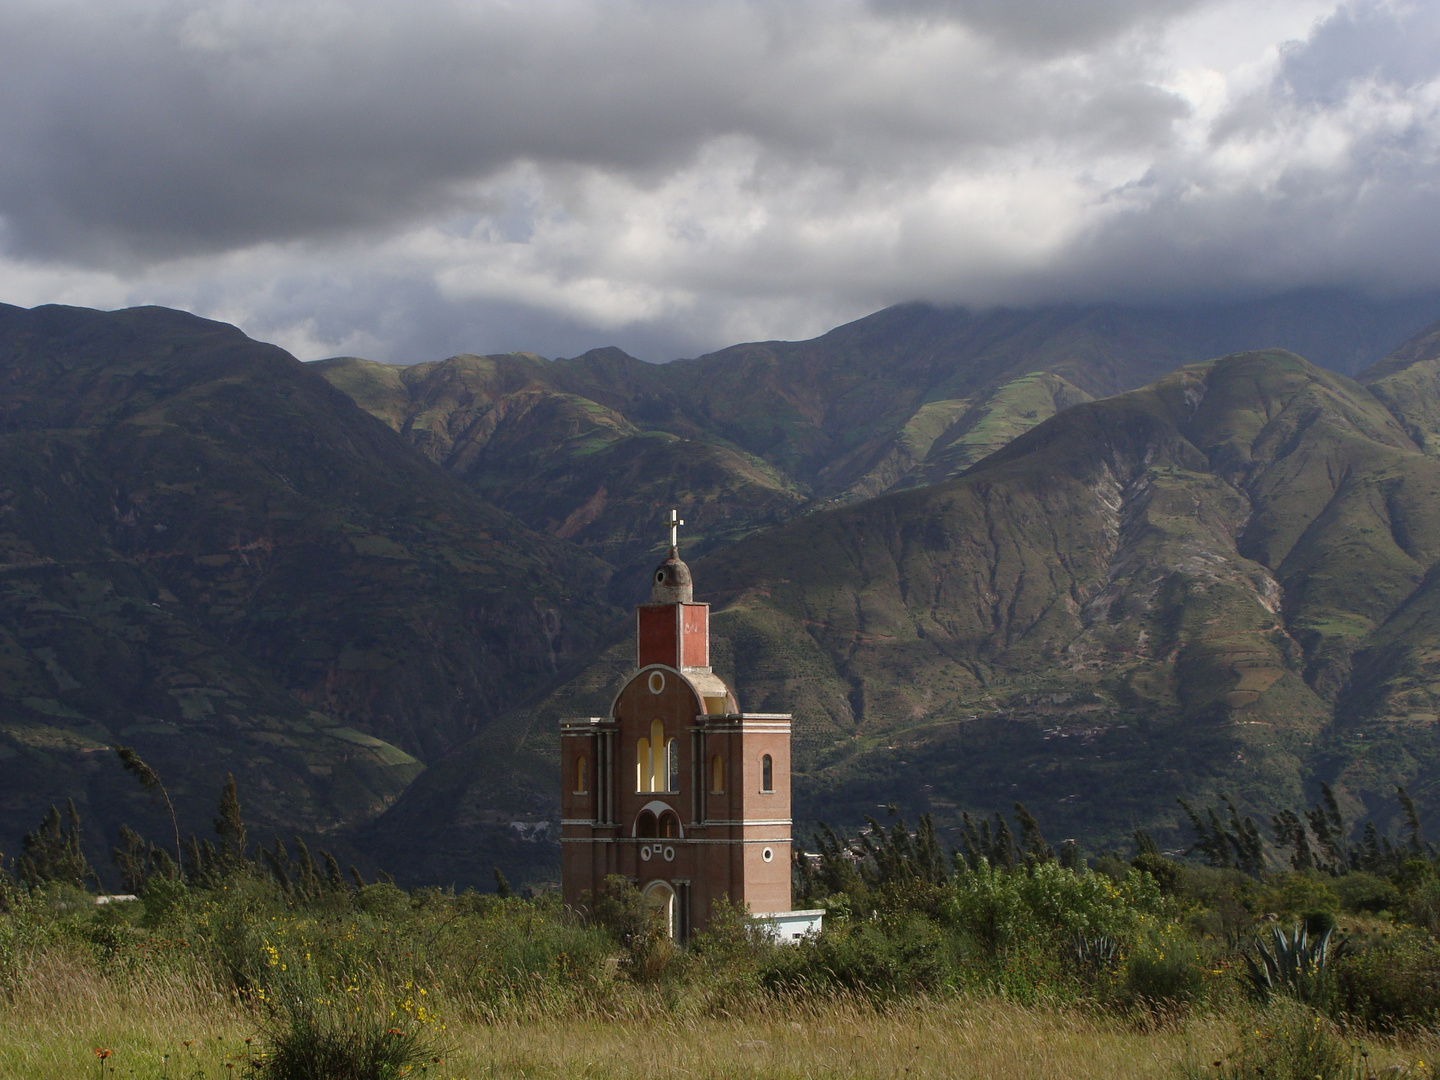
[(712, 696)]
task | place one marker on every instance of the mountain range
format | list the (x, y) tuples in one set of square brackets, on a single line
[(1089, 558), (208, 553)]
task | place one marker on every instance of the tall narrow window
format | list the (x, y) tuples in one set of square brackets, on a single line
[(642, 766), (657, 756), (767, 773), (717, 775), (580, 777), (672, 766)]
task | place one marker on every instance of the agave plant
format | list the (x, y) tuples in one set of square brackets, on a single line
[(1293, 964), (1098, 953)]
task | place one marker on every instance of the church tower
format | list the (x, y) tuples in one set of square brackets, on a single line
[(677, 789)]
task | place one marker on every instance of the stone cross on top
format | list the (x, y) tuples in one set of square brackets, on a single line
[(673, 524)]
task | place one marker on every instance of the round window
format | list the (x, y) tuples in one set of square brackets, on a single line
[(660, 576), (767, 854), (657, 682)]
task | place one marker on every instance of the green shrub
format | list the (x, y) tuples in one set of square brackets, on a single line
[(1003, 908), (321, 1040), (1163, 972), (1299, 894), (1286, 1042), (1224, 902), (876, 959), (1028, 972), (1362, 893), (1166, 872), (161, 898), (1422, 906), (1391, 985), (732, 937), (637, 928), (111, 929), (383, 900), (28, 929), (524, 957)]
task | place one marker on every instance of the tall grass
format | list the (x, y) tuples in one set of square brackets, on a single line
[(165, 1026), (156, 1023), (52, 1031), (956, 1037)]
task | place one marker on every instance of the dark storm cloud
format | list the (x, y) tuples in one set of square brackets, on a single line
[(411, 180), (1043, 26), (200, 127), (180, 128)]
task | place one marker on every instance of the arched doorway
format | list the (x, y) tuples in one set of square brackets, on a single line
[(660, 900)]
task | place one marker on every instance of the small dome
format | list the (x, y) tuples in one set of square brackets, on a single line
[(671, 582)]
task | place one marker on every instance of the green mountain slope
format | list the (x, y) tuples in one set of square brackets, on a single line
[(1199, 560), (212, 552), (209, 553), (1221, 582), (1189, 570), (750, 435), (1408, 382), (537, 439)]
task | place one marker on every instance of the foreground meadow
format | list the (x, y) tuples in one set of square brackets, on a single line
[(1004, 960), (243, 981), (956, 1037)]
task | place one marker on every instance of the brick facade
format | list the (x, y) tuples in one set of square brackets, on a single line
[(672, 789)]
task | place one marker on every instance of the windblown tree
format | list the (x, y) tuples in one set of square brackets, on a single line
[(1319, 839), (150, 780), (1228, 844), (52, 854), (230, 825)]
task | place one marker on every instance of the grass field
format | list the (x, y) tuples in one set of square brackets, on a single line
[(1021, 968), (179, 1030)]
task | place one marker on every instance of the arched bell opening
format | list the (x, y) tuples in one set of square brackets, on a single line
[(658, 817)]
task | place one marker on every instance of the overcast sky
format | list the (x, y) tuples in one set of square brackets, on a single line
[(404, 181)]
